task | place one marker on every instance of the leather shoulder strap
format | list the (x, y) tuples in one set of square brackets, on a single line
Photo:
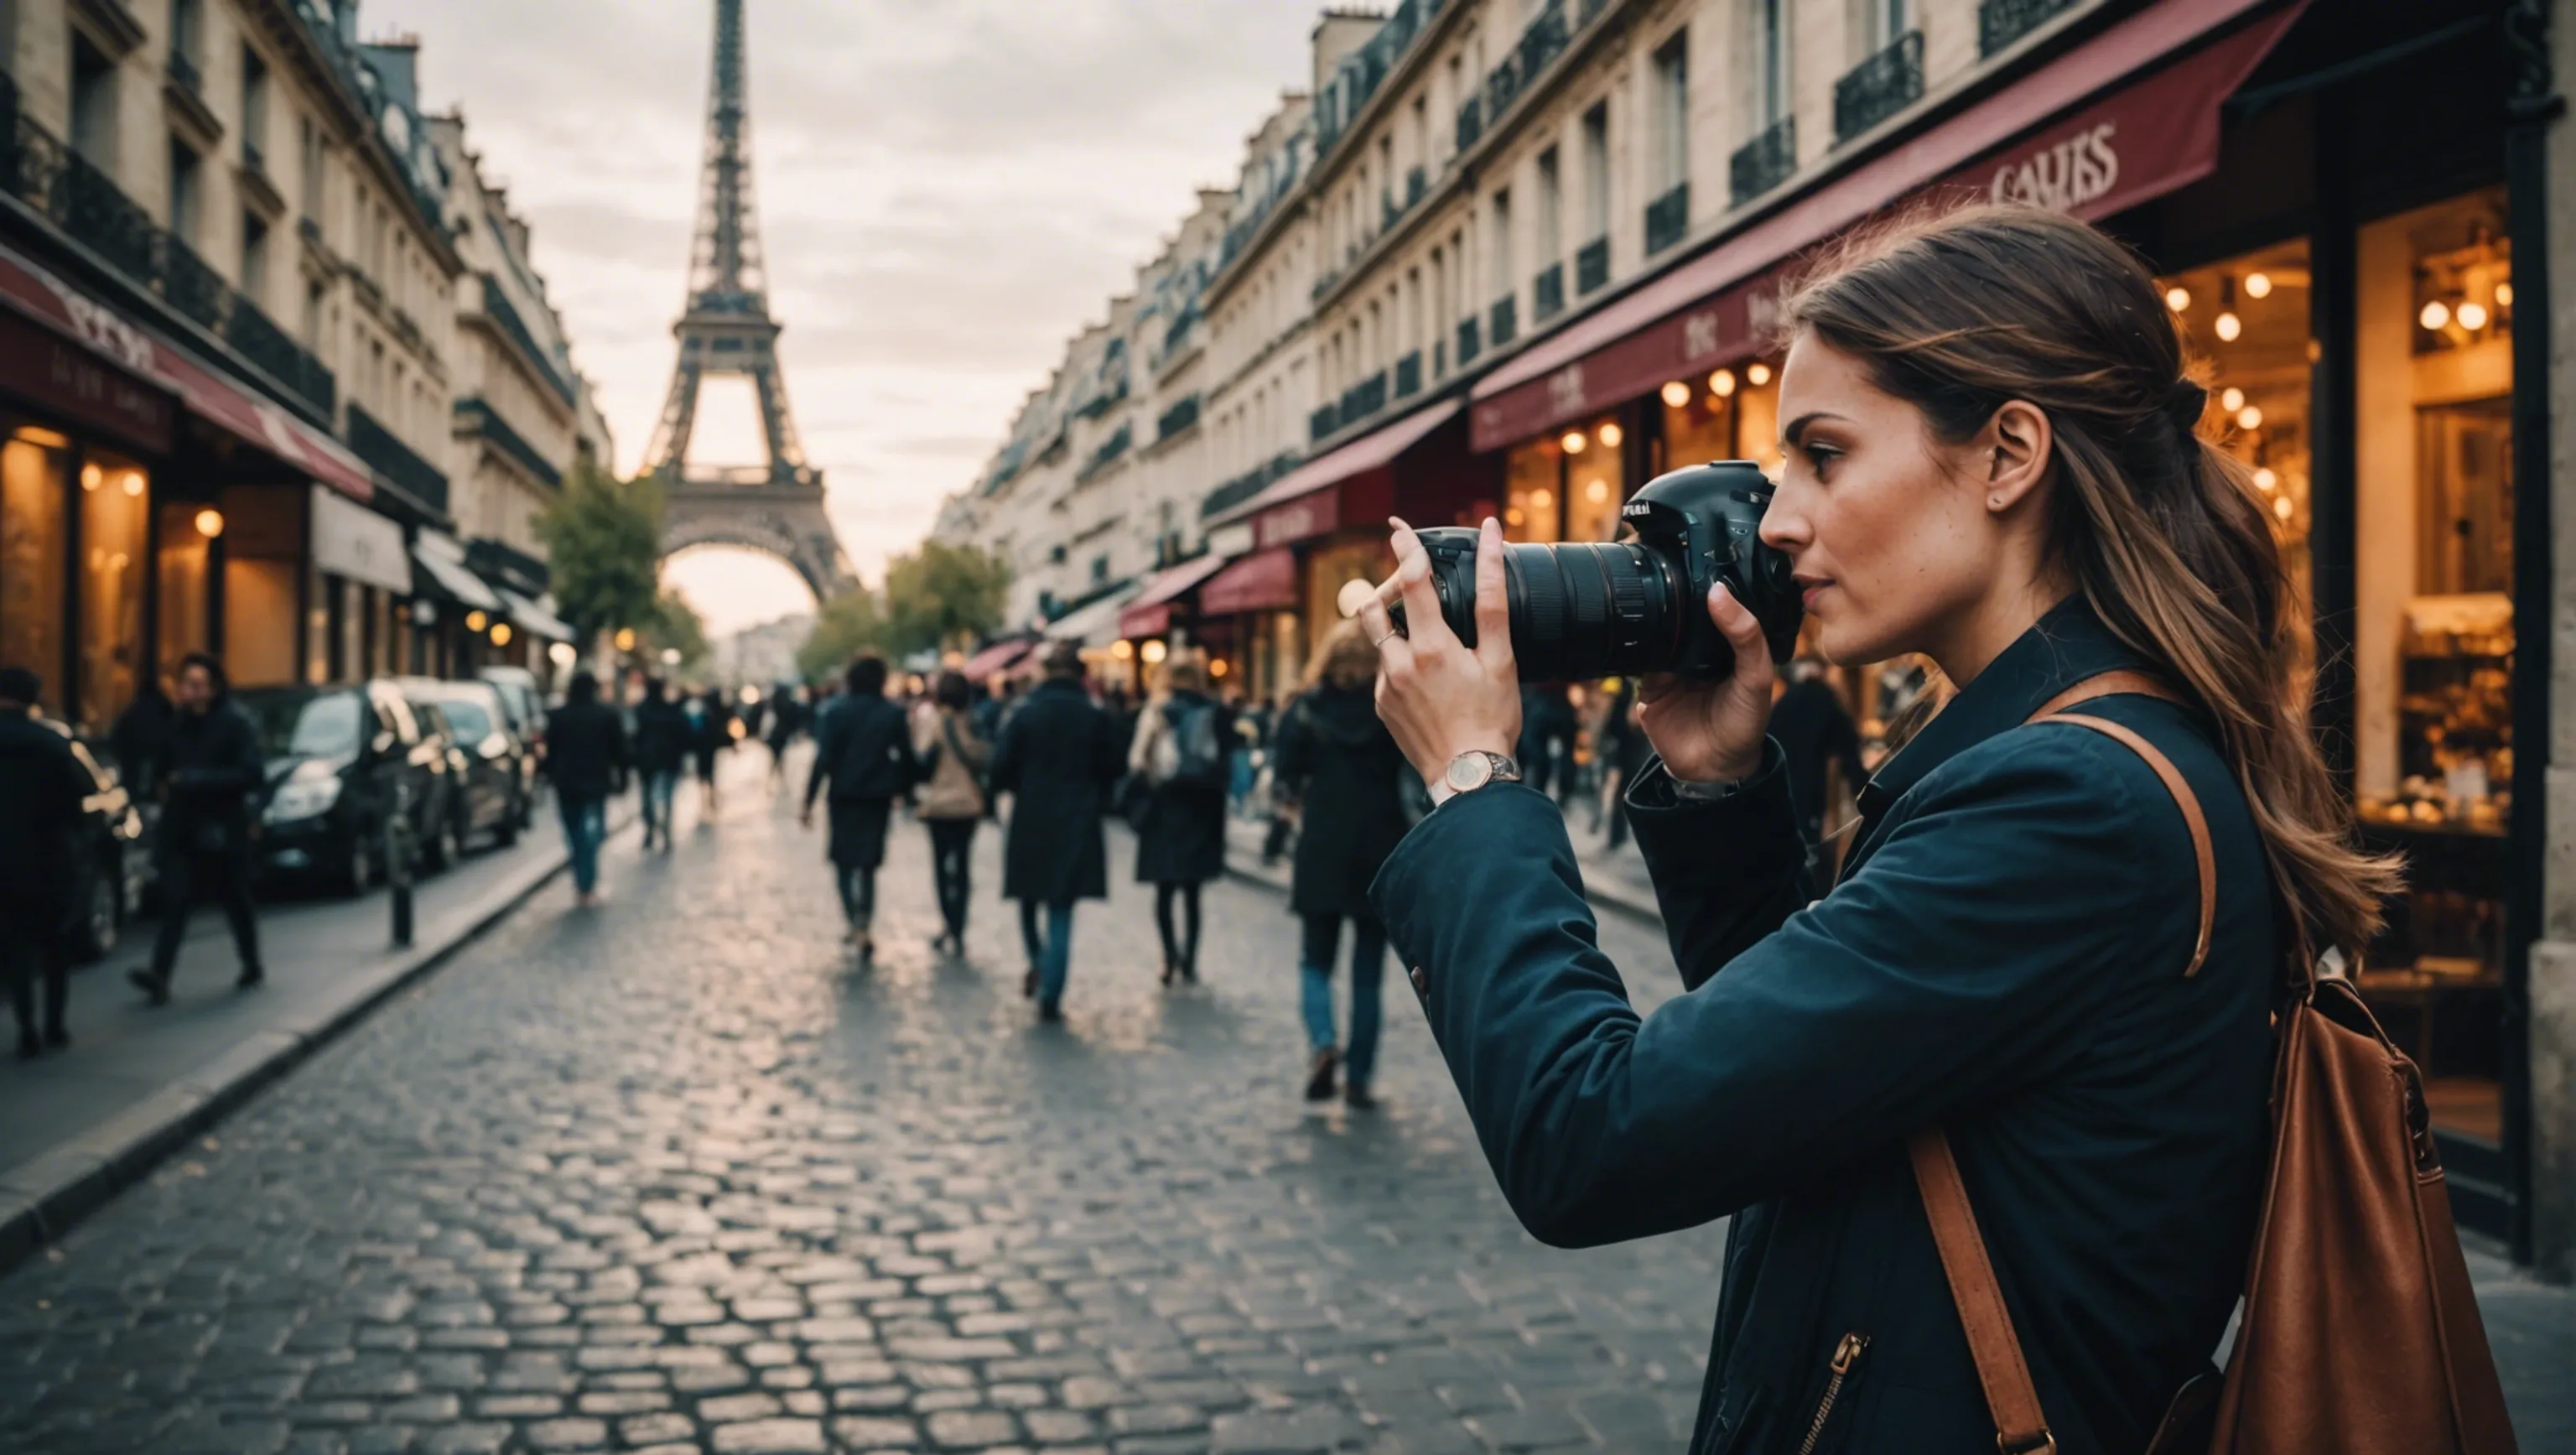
[(2011, 1398)]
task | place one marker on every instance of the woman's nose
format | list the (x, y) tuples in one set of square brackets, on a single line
[(1784, 525)]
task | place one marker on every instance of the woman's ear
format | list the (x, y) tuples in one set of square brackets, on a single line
[(2018, 447)]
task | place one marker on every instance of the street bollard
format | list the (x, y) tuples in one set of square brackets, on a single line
[(398, 844)]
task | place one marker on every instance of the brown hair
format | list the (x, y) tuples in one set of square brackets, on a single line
[(1184, 672), (2162, 531), (1345, 658)]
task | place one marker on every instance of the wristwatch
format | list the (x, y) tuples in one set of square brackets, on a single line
[(1472, 770)]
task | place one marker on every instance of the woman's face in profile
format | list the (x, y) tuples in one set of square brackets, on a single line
[(1885, 526)]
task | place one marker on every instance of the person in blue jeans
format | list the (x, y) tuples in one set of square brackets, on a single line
[(1057, 757), (1343, 771), (587, 759), (662, 738)]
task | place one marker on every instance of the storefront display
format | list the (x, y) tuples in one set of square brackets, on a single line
[(115, 530), (34, 544)]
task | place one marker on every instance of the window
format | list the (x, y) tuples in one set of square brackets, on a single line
[(1550, 204), (1884, 23), (184, 190), (186, 18), (1502, 211), (1770, 61), (114, 519), (1596, 171), (1672, 112), (93, 104), (34, 536), (254, 110), (310, 143), (254, 258)]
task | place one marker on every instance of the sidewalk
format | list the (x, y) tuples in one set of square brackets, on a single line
[(138, 1082), (2531, 1324)]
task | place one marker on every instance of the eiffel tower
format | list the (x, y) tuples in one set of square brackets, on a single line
[(726, 328)]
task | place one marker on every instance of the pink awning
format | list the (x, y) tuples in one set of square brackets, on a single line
[(1372, 451), (2027, 143), (1263, 581), (999, 657), (207, 393)]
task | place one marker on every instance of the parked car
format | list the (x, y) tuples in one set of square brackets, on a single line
[(111, 857), (504, 743), (340, 759), (526, 706), (482, 771)]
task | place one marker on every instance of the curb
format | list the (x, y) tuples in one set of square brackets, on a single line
[(44, 1197)]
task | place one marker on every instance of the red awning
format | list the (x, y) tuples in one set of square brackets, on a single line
[(1262, 581), (999, 657), (208, 394), (2027, 143), (1375, 450), (1150, 614)]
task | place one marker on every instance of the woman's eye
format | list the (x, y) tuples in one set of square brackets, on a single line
[(1820, 459)]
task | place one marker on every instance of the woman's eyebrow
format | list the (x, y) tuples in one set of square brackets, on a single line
[(1798, 426)]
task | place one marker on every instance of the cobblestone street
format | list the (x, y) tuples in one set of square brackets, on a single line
[(671, 1174)]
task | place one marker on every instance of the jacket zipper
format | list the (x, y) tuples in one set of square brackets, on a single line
[(1846, 1356)]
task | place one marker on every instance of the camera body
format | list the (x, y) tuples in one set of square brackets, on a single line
[(1592, 609)]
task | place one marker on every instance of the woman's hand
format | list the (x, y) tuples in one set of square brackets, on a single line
[(1436, 696), (1712, 732)]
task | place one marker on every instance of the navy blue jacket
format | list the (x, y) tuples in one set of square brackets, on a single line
[(863, 748), (2003, 957)]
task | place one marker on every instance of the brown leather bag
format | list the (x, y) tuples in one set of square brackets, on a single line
[(2360, 1334)]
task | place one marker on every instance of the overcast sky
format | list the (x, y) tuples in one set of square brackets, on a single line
[(947, 190)]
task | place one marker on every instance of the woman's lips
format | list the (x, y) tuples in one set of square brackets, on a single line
[(1809, 591)]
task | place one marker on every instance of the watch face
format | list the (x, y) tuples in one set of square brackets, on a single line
[(1469, 770)]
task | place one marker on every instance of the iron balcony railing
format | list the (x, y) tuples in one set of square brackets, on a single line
[(1504, 323), (396, 461), (1470, 343), (252, 158), (86, 204), (496, 305), (477, 414), (1320, 423), (1764, 162), (1592, 265), (1248, 484), (1547, 293), (1177, 418), (1408, 375), (1667, 218), (1416, 183), (1471, 122), (1879, 87), (1362, 399), (2001, 22), (183, 70), (1108, 453), (1363, 71)]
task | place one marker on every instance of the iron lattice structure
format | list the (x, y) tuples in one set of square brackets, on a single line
[(726, 329)]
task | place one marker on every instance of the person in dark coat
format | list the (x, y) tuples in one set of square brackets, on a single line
[(1344, 773), (661, 751), (1058, 756), (785, 717), (1625, 751), (712, 724), (138, 736), (1992, 459), (587, 757), (210, 774), (1814, 733), (863, 748), (1183, 748), (42, 787)]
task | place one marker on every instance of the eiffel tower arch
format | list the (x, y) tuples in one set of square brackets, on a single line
[(775, 506)]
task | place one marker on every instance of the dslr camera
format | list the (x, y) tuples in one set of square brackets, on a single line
[(1591, 609)]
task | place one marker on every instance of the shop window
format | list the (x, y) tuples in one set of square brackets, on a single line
[(115, 524), (1699, 422), (33, 539), (184, 612), (1596, 482), (1531, 474)]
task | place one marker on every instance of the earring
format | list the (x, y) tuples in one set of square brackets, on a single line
[(1994, 502)]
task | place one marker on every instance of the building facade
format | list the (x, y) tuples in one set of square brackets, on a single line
[(1531, 254)]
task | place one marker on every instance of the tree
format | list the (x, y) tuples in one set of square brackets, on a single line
[(943, 596), (848, 624), (673, 625), (603, 539)]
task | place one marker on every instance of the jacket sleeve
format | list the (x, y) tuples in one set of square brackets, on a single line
[(827, 745), (1296, 752), (1725, 873), (1960, 963)]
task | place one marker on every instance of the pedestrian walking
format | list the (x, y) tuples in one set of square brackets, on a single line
[(953, 799), (1181, 751), (1344, 773), (41, 791), (1547, 738), (786, 717), (863, 749), (587, 757), (1625, 751), (210, 776), (1814, 733), (2046, 982), (662, 743), (1057, 757), (712, 733), (138, 736)]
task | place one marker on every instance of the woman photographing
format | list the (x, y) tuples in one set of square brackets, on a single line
[(1993, 461)]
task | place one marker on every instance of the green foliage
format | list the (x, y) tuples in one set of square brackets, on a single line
[(672, 624), (603, 539), (942, 596), (848, 624)]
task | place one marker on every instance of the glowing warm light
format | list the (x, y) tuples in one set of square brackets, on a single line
[(625, 639), (2504, 299), (2435, 314), (2473, 316), (1574, 442), (562, 654), (1218, 668), (2258, 285), (132, 483), (500, 633), (2231, 399), (210, 522), (1513, 516), (1611, 434), (2177, 298), (1153, 652), (1597, 491), (92, 477), (2249, 418), (750, 694), (475, 621), (1122, 650), (1758, 375), (2227, 326), (29, 434), (1677, 394), (1542, 499), (2265, 480), (1722, 383), (670, 656), (2281, 507)]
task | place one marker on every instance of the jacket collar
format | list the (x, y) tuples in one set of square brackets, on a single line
[(2062, 648)]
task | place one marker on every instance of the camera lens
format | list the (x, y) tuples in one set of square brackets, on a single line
[(1579, 611)]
